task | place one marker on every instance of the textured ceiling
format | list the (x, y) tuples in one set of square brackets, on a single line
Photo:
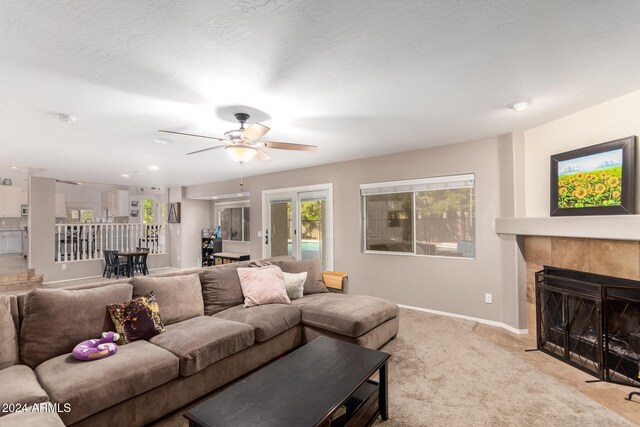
[(357, 78)]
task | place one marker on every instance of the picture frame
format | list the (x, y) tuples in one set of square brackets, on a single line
[(173, 216), (595, 180), (134, 203), (134, 213)]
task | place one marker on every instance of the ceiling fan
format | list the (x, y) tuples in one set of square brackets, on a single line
[(243, 144)]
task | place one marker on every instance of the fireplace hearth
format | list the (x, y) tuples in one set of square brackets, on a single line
[(590, 321)]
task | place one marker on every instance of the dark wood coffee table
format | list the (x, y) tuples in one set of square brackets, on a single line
[(307, 387)]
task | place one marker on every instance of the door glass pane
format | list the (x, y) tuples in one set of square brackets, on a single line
[(280, 228), (389, 222), (313, 229)]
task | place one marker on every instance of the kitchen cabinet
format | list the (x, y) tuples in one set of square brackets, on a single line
[(61, 206), (118, 203), (9, 202), (11, 242)]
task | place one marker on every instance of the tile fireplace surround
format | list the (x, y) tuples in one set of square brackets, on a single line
[(618, 258)]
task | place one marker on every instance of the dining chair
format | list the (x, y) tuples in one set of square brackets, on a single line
[(114, 264), (140, 263)]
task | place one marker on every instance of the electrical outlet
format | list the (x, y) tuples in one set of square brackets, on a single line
[(488, 298), (64, 266)]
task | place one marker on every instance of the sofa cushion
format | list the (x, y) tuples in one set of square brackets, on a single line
[(221, 287), (350, 315), (179, 297), (55, 320), (8, 335), (137, 319), (202, 341), (20, 386), (263, 285), (267, 320), (90, 387), (313, 267), (32, 419)]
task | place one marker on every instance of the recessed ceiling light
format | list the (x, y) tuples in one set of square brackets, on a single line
[(520, 105), (153, 168), (66, 118), (136, 173), (15, 168), (125, 175), (164, 141)]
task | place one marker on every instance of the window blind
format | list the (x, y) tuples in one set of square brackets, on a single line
[(424, 184)]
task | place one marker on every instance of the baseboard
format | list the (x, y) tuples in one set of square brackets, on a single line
[(474, 319)]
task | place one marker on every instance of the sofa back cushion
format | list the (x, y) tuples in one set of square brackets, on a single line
[(313, 267), (8, 333), (179, 297), (221, 287), (55, 320)]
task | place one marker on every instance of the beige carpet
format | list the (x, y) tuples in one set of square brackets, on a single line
[(443, 374)]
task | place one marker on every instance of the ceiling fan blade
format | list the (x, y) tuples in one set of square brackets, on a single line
[(289, 146), (262, 155), (255, 132), (205, 149), (190, 134)]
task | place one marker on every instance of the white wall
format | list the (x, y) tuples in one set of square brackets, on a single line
[(608, 121)]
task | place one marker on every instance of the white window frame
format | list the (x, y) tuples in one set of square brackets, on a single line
[(234, 204), (411, 186)]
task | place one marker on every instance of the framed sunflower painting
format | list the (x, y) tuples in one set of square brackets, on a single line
[(595, 180)]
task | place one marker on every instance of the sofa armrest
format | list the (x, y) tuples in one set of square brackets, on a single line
[(336, 281)]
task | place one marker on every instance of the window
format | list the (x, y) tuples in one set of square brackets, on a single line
[(432, 216), (80, 215), (234, 221)]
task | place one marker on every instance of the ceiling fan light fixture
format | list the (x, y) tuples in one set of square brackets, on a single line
[(234, 135), (241, 153)]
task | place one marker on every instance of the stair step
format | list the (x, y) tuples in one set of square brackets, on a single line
[(22, 284)]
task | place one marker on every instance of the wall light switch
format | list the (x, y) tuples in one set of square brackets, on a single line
[(259, 233), (64, 266), (488, 298)]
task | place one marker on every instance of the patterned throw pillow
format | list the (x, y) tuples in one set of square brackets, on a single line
[(137, 319)]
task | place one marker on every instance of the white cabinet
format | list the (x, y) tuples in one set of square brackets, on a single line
[(118, 203), (61, 206), (11, 242), (9, 202)]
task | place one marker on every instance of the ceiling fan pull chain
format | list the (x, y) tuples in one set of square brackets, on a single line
[(241, 184)]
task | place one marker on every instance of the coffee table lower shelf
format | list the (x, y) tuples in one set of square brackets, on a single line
[(361, 409)]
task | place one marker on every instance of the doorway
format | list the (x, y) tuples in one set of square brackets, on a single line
[(299, 222)]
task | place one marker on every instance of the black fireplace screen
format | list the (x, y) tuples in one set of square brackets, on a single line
[(591, 322)]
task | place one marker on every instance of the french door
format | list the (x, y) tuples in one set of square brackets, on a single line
[(298, 222)]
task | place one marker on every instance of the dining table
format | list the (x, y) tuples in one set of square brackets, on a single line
[(130, 256)]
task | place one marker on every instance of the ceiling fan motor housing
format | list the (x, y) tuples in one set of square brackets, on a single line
[(241, 117)]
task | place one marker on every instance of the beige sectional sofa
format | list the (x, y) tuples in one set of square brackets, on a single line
[(210, 340)]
